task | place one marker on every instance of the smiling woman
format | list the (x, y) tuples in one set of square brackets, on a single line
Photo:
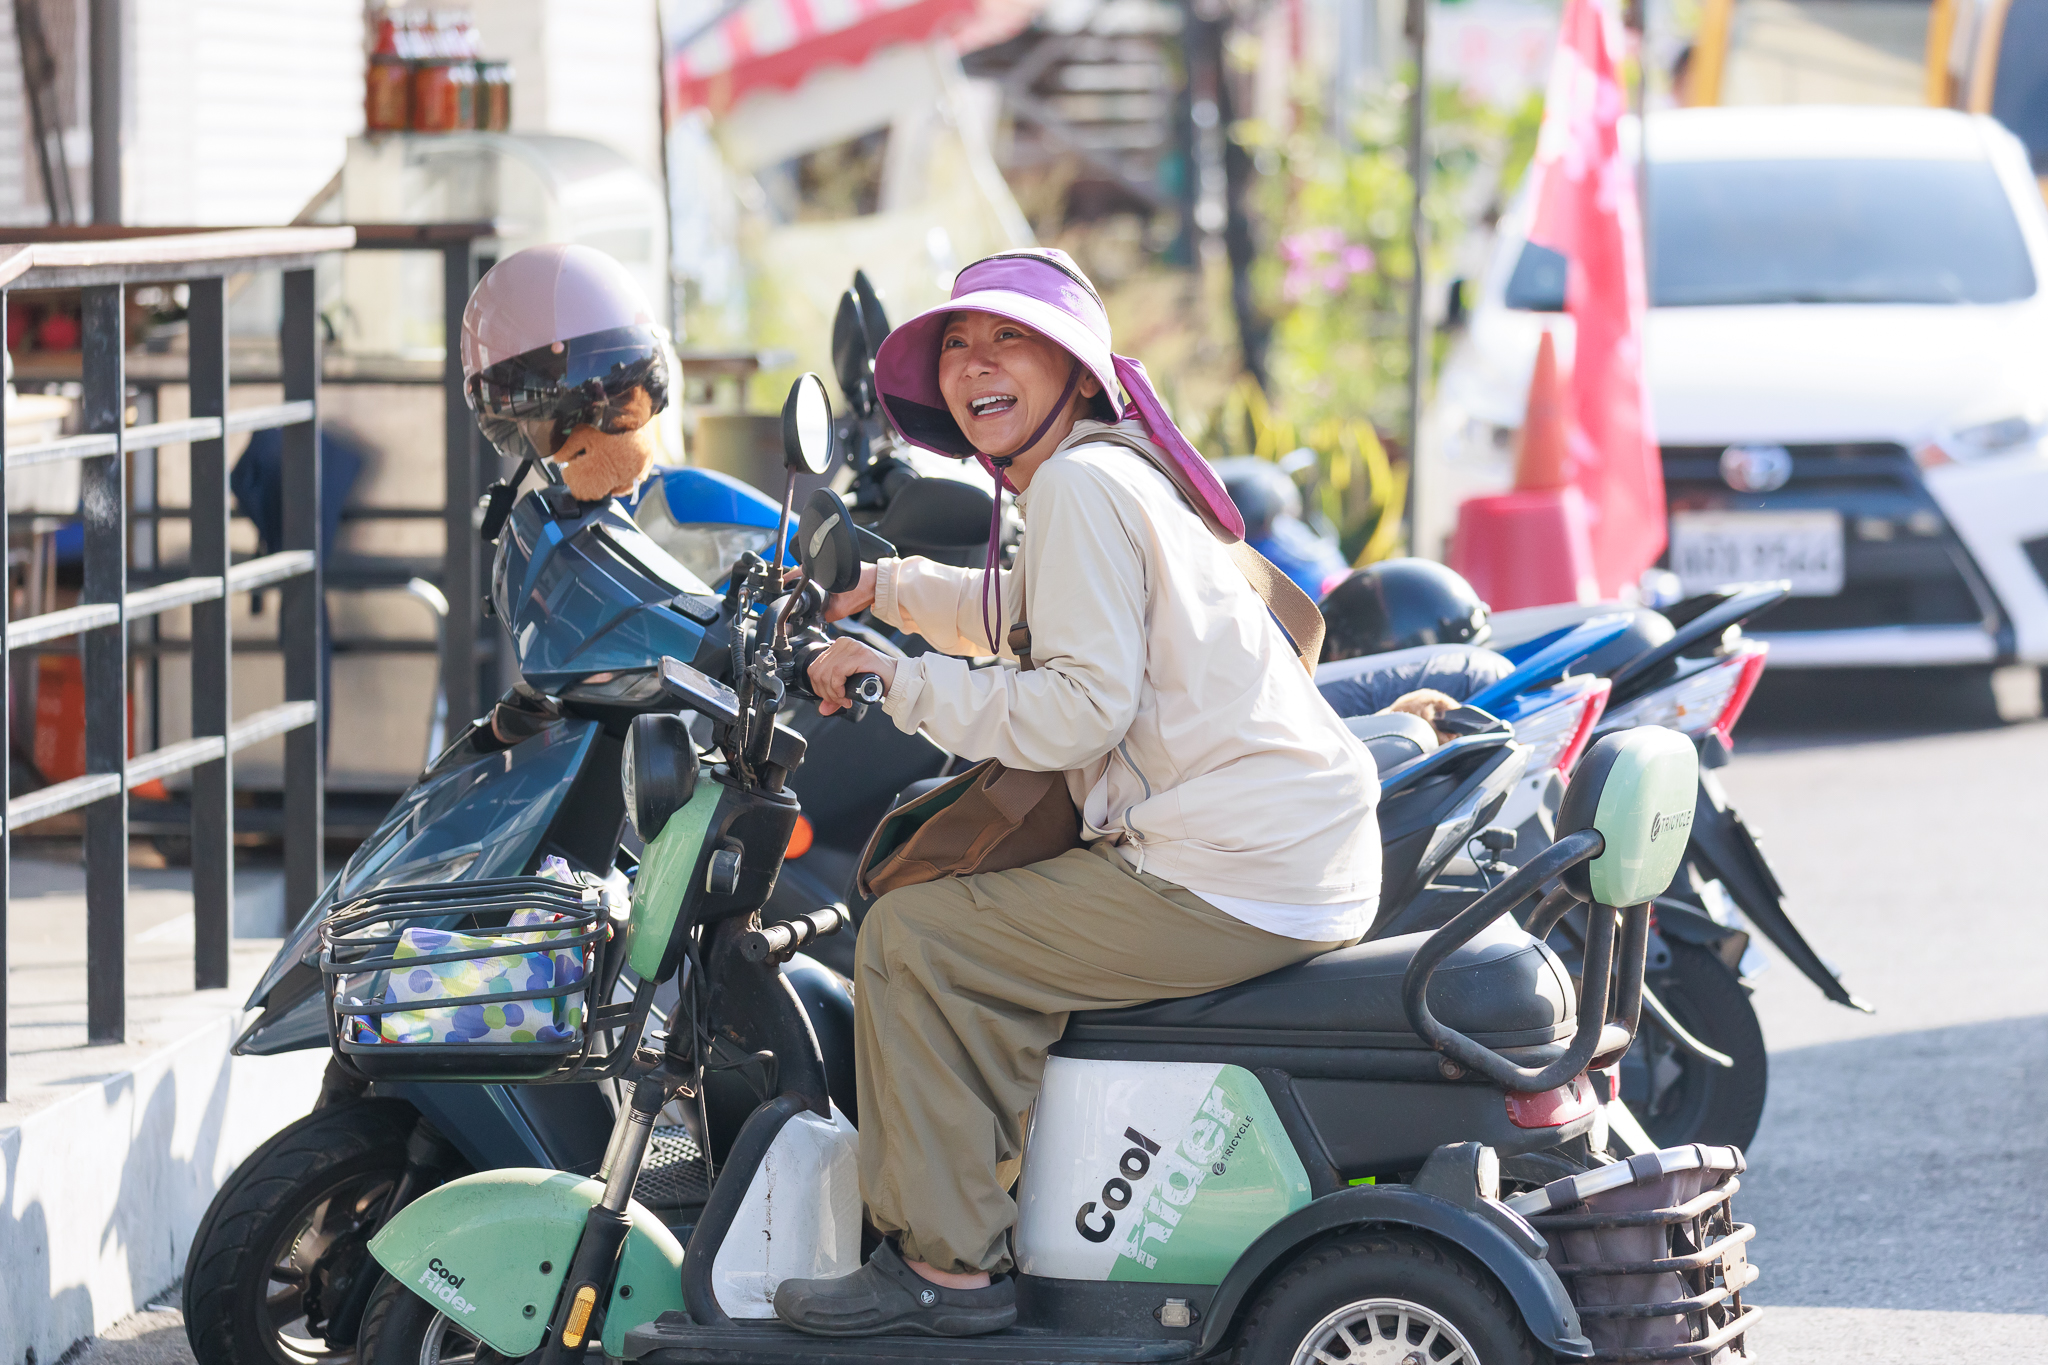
[(1227, 813)]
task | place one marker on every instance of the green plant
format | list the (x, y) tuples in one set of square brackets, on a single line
[(1335, 278)]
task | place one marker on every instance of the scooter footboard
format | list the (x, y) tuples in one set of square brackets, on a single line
[(491, 1250)]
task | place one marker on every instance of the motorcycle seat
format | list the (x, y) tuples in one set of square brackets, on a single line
[(1393, 738), (1504, 989)]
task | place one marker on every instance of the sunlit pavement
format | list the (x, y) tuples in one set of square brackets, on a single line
[(1897, 1183)]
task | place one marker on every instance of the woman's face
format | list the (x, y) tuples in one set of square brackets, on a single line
[(1000, 379)]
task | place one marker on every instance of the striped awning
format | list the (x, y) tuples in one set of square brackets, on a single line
[(775, 44)]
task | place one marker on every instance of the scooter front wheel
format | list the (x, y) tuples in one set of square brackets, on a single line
[(1397, 1297), (275, 1274), (401, 1328)]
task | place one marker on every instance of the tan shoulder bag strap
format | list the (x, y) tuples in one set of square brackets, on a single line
[(1299, 619), (1298, 616)]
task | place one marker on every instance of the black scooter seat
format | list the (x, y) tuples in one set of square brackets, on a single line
[(1503, 989), (672, 1339)]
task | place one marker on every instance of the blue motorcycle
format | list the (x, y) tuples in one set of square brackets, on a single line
[(592, 603)]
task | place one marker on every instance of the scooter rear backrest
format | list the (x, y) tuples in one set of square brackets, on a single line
[(1638, 789)]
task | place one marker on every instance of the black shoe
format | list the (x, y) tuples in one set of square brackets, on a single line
[(885, 1295)]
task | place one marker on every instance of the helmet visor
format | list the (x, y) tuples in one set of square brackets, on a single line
[(614, 380)]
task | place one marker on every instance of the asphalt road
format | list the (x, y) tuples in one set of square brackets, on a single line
[(1897, 1182)]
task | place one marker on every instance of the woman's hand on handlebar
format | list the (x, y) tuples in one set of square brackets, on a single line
[(841, 660), (1429, 705), (843, 604)]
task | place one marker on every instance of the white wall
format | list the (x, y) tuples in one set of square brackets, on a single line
[(101, 1192), (582, 68), (238, 111), (235, 111)]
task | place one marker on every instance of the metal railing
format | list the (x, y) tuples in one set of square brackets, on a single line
[(103, 271)]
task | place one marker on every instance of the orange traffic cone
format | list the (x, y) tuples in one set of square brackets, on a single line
[(1541, 452), (1531, 547)]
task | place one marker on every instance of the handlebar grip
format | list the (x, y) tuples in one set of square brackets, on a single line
[(780, 939), (865, 687)]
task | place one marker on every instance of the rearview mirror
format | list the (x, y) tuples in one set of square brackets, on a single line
[(872, 315), (852, 361), (807, 427), (824, 543), (830, 547)]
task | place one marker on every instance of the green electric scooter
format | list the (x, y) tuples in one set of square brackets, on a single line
[(1390, 1153)]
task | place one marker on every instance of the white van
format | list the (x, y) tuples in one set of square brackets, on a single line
[(1847, 352)]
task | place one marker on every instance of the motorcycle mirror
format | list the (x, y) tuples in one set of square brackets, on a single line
[(852, 363), (830, 547), (807, 427), (872, 316), (657, 771), (824, 543)]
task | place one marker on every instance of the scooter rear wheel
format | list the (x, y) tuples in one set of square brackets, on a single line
[(1678, 1098), (1384, 1299)]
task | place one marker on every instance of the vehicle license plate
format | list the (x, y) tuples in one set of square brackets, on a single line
[(1710, 549)]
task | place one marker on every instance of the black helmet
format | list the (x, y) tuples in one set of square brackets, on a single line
[(1398, 604), (1261, 490)]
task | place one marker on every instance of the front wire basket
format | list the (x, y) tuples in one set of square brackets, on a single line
[(488, 980), (1652, 1254)]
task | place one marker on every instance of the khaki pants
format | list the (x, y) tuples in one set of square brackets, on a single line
[(962, 985)]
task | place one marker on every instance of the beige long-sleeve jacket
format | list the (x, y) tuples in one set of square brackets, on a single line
[(1187, 727)]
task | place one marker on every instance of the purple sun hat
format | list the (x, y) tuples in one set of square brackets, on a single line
[(1044, 290)]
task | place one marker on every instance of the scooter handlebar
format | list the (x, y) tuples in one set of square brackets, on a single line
[(865, 687), (778, 940)]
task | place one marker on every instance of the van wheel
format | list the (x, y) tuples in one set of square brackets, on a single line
[(1384, 1299), (401, 1328)]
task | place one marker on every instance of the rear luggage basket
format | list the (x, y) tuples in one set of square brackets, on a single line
[(1652, 1255)]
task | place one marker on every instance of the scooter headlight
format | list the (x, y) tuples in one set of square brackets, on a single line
[(657, 772)]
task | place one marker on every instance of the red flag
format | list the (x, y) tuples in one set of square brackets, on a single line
[(1587, 211)]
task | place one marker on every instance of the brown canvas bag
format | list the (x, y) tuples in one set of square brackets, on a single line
[(987, 819), (991, 818)]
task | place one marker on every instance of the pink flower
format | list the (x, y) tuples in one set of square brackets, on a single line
[(1320, 259)]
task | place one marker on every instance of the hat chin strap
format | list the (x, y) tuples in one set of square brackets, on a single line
[(998, 465)]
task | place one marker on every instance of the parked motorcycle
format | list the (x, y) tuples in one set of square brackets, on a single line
[(1299, 1152), (592, 603), (1699, 1071)]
